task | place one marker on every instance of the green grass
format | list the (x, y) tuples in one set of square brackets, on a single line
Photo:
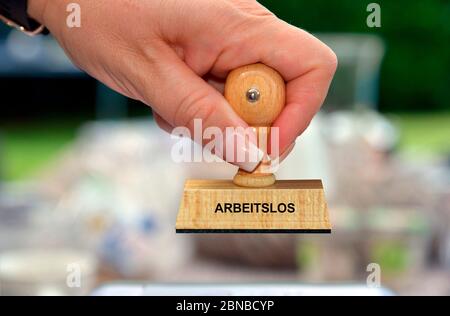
[(424, 134), (25, 149), (28, 148)]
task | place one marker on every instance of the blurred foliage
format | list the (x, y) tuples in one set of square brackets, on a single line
[(424, 134), (392, 256), (416, 70), (306, 255), (28, 148)]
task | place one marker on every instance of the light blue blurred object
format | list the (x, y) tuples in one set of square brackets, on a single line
[(257, 289), (41, 57)]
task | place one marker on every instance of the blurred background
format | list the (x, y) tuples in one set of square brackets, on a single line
[(86, 177)]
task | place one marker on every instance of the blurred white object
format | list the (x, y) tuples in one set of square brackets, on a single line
[(344, 127), (119, 179), (310, 157), (24, 48), (46, 272), (261, 289)]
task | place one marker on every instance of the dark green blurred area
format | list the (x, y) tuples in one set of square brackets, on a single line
[(415, 75)]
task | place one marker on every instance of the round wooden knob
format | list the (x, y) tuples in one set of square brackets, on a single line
[(256, 93)]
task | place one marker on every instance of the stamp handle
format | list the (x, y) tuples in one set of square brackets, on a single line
[(257, 94)]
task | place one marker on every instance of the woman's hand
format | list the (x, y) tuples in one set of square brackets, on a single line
[(175, 54)]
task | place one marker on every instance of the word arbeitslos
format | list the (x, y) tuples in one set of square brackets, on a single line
[(255, 208)]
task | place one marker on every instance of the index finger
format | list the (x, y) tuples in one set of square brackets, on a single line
[(308, 66), (305, 63)]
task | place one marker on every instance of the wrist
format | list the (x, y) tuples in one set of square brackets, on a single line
[(36, 10)]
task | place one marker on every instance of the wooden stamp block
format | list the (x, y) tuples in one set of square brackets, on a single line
[(254, 202), (220, 206)]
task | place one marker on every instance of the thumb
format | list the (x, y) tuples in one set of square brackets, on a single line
[(180, 97)]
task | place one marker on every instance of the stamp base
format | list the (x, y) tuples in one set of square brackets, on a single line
[(220, 206)]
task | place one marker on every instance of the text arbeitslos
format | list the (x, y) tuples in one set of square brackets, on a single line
[(255, 208)]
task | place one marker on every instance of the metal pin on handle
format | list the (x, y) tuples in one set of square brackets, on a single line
[(253, 95)]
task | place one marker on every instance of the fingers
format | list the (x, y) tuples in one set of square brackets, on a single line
[(304, 97), (216, 83), (162, 123), (181, 98), (179, 95), (306, 64)]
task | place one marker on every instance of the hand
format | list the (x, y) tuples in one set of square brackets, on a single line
[(174, 55)]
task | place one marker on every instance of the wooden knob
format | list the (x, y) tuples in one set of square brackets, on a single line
[(257, 94)]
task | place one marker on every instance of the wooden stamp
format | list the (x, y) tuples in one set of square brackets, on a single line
[(254, 202)]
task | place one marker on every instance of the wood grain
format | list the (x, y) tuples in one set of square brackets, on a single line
[(259, 114), (269, 83), (200, 199)]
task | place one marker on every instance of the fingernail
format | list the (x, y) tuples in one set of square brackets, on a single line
[(241, 149), (250, 165)]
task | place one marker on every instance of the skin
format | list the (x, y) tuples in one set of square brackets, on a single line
[(174, 55)]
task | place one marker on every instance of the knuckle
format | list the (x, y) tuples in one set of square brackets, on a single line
[(330, 60), (196, 105)]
